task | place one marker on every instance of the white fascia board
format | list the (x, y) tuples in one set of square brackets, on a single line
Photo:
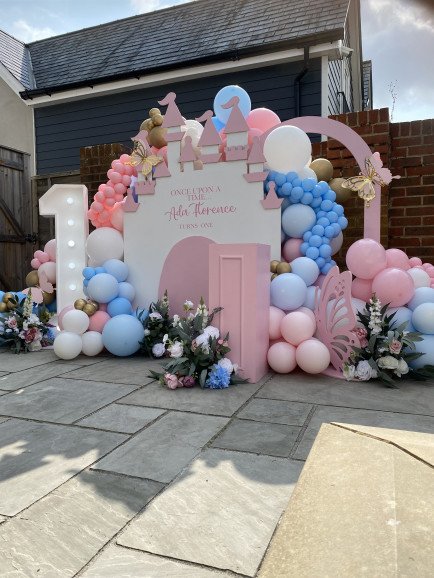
[(160, 78), (10, 80)]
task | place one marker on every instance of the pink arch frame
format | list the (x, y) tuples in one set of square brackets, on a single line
[(357, 147)]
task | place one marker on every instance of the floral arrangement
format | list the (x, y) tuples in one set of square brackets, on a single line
[(25, 330), (385, 348), (194, 349)]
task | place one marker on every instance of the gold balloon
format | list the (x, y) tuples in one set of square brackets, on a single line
[(273, 266), (342, 194), (90, 309), (8, 296), (283, 267), (273, 276), (144, 125), (3, 307), (79, 303), (11, 304), (158, 119), (157, 137), (48, 298), (323, 169), (154, 112), (32, 279)]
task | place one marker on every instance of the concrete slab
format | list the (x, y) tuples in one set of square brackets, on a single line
[(272, 411), (116, 370), (271, 439), (36, 458), (14, 381), (12, 362), (162, 450), (61, 533), (325, 414), (411, 397), (223, 402), (370, 499), (118, 562), (61, 400), (121, 418), (224, 507)]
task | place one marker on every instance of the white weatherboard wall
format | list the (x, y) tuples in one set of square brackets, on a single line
[(177, 210), (16, 121)]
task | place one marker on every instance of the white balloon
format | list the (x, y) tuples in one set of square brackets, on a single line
[(49, 268), (103, 244), (419, 276), (75, 321), (287, 148), (92, 343), (336, 243), (193, 129), (67, 345), (307, 173)]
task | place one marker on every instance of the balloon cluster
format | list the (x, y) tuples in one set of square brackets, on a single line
[(106, 209), (156, 133), (278, 268), (407, 284)]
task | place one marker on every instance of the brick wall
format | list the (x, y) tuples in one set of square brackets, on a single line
[(407, 214)]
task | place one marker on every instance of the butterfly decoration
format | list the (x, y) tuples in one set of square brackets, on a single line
[(142, 159), (335, 317), (38, 292), (374, 174)]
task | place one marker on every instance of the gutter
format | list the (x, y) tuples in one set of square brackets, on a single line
[(297, 82)]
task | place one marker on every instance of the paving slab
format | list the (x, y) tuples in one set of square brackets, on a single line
[(61, 533), (326, 414), (84, 360), (221, 512), (14, 381), (223, 402), (130, 371), (12, 362), (273, 411), (121, 418), (3, 519), (36, 458), (2, 373), (119, 562), (61, 400), (411, 397), (163, 449), (370, 499), (271, 439)]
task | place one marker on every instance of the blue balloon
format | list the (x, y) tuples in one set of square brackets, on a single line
[(291, 176), (103, 288), (122, 335), (317, 230), (329, 232), (326, 205), (320, 261), (321, 213), (402, 315), (280, 179), (217, 123), (297, 219), (423, 318), (427, 348), (323, 221), (271, 175), (338, 209), (86, 282), (309, 302), (315, 241), (303, 248), (307, 199), (343, 222), (88, 272), (316, 202), (312, 253), (99, 270), (421, 295), (117, 268), (288, 291), (297, 193), (119, 306), (336, 228), (308, 184), (126, 290), (285, 203), (296, 182), (307, 235), (286, 189), (305, 268), (224, 95), (326, 268), (325, 251), (332, 217), (329, 196), (317, 191), (323, 186)]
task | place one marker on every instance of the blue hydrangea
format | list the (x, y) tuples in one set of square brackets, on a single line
[(219, 378)]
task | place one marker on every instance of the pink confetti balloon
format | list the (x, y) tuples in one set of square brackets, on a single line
[(312, 356), (361, 289), (276, 316), (430, 271), (281, 357), (296, 327), (291, 249), (397, 258), (393, 286), (365, 258)]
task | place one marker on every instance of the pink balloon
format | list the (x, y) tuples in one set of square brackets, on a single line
[(116, 177), (365, 258), (62, 314), (430, 271), (110, 183), (118, 167), (99, 196), (117, 217), (42, 256), (120, 189), (119, 197), (291, 249), (276, 316), (252, 134), (362, 289), (308, 312), (91, 214), (50, 249), (128, 170), (415, 262), (297, 327), (262, 118), (126, 180), (393, 286), (281, 357), (397, 258), (35, 263), (110, 202), (124, 158), (97, 207), (102, 307), (49, 269), (102, 187), (109, 192), (312, 356), (98, 320)]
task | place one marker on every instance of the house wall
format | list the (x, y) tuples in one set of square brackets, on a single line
[(61, 130), (16, 121)]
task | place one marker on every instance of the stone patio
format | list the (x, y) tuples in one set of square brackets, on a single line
[(106, 474)]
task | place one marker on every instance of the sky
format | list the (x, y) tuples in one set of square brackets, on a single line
[(397, 35)]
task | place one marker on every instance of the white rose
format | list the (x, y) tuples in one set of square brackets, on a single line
[(349, 372), (202, 339), (175, 320), (226, 364), (176, 350), (158, 350), (402, 368), (155, 316), (364, 371), (212, 332), (188, 305), (388, 362)]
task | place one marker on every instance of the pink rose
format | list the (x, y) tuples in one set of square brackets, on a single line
[(395, 346), (32, 334), (11, 322), (187, 381), (171, 381), (361, 333)]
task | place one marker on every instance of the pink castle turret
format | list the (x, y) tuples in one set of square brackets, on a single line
[(173, 122), (210, 139), (236, 130), (255, 163)]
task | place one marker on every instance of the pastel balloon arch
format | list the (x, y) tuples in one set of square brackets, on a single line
[(357, 147)]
